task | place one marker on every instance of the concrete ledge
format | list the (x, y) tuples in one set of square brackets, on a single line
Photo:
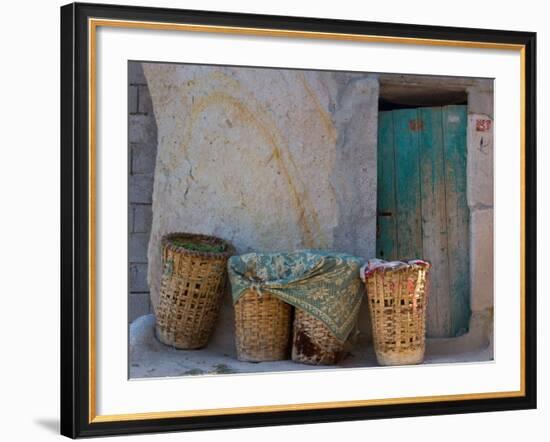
[(149, 358)]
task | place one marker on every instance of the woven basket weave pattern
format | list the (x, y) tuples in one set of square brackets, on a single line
[(192, 286), (262, 327), (313, 343), (397, 303)]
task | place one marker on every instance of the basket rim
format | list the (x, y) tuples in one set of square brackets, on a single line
[(167, 239), (395, 266)]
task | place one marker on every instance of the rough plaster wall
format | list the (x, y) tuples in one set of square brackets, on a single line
[(142, 156), (269, 159)]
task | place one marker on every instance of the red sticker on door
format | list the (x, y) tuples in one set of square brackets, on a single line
[(416, 125)]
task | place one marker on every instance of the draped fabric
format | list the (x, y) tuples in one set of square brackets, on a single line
[(325, 285)]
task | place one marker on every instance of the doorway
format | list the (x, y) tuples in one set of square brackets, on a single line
[(422, 209)]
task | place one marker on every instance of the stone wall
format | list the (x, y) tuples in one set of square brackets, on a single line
[(269, 159), (142, 156), (480, 202)]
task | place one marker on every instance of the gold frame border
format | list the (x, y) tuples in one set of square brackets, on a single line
[(93, 24)]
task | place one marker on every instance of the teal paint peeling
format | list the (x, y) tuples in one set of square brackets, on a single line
[(434, 221), (386, 242), (454, 130), (407, 173)]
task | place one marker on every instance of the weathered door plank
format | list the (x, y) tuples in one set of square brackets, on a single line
[(434, 221), (407, 172), (386, 243), (454, 126)]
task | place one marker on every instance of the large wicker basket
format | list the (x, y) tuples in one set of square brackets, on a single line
[(262, 327), (313, 343), (193, 281), (397, 294)]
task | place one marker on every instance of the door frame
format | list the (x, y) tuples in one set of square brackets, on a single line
[(479, 195)]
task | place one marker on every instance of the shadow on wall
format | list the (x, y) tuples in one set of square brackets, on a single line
[(142, 153)]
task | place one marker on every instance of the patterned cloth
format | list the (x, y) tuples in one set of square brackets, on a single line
[(325, 285)]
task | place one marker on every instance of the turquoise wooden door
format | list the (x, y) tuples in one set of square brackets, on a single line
[(422, 207)]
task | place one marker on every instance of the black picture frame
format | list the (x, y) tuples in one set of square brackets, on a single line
[(76, 403)]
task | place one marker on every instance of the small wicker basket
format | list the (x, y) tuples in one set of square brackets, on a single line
[(262, 327), (193, 281), (313, 343), (397, 294)]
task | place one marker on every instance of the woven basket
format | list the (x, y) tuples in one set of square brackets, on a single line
[(262, 327), (192, 285), (313, 343), (397, 302)]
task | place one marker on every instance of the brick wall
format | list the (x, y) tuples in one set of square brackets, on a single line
[(142, 147)]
